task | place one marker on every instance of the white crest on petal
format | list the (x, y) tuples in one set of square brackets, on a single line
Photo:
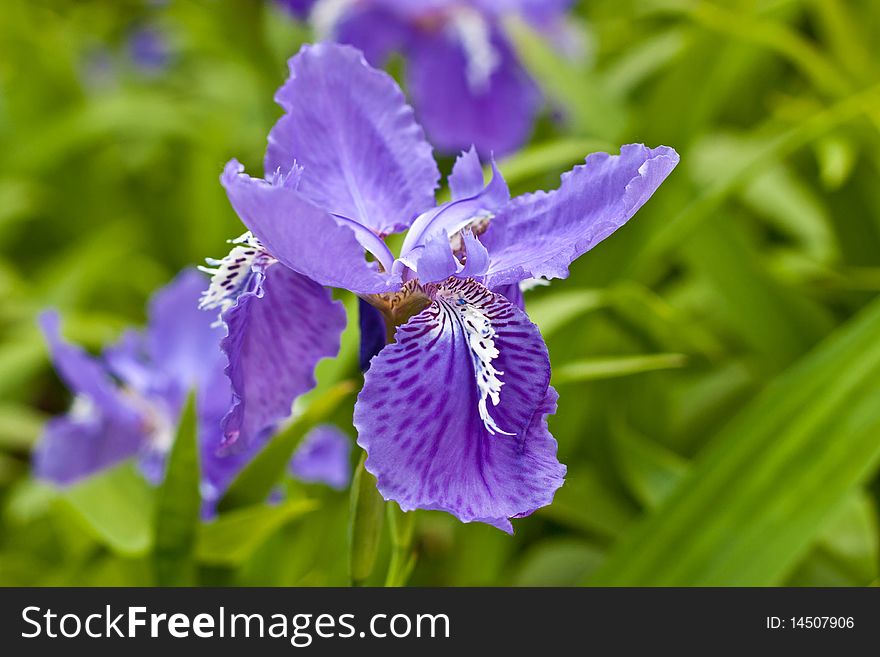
[(476, 39), (158, 424), (459, 300), (231, 275), (532, 283), (326, 14)]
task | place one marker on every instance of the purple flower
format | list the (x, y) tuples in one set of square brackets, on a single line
[(149, 49), (453, 413), (466, 82), (323, 457), (128, 401)]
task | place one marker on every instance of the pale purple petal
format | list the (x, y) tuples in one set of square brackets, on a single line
[(477, 263), (76, 445), (363, 154), (451, 217), (323, 457), (301, 235), (496, 118), (434, 260), (539, 235), (276, 336), (466, 179), (419, 418), (81, 373), (183, 342)]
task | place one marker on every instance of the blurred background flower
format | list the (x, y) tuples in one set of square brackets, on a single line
[(718, 361)]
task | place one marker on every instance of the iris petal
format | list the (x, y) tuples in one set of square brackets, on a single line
[(421, 418), (540, 234), (276, 336), (348, 125)]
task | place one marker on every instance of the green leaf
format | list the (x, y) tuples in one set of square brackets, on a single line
[(846, 551), (609, 368), (557, 562), (19, 426), (553, 311), (116, 506), (178, 505), (365, 528), (257, 479), (587, 504), (650, 470), (762, 491), (234, 536), (551, 157)]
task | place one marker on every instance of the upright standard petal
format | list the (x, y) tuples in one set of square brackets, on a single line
[(323, 457), (452, 415), (363, 154), (303, 236), (276, 336), (496, 116), (540, 234)]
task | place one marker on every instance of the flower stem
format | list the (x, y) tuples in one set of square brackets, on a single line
[(365, 528), (403, 558)]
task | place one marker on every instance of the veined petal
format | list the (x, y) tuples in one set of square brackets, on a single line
[(539, 235), (323, 457), (348, 125), (452, 415), (496, 116), (303, 236), (276, 336)]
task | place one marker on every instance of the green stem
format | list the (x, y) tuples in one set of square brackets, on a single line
[(402, 528), (365, 529)]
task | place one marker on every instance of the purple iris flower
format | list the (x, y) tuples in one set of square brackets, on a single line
[(465, 80), (128, 401), (453, 413)]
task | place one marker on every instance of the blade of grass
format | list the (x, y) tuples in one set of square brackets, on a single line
[(178, 503), (610, 368), (760, 493)]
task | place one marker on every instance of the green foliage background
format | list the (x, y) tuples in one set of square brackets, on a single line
[(718, 360)]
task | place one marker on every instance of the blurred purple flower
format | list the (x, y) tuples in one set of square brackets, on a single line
[(128, 401), (465, 80), (149, 49), (453, 414), (323, 457)]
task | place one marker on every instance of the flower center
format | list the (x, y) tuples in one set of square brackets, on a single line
[(234, 274), (458, 302)]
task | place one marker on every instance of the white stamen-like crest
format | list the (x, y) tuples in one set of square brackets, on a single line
[(480, 335), (325, 15), (476, 40), (230, 275)]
